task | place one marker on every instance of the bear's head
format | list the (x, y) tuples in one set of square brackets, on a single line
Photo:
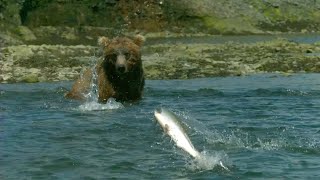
[(121, 54)]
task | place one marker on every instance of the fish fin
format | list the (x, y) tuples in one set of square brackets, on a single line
[(221, 164), (166, 128)]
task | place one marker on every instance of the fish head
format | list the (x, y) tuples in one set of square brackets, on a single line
[(165, 118), (160, 117)]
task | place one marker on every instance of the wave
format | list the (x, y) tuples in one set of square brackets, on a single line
[(8, 93), (281, 92), (202, 92), (209, 92), (263, 139)]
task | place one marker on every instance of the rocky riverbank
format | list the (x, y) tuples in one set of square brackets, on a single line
[(39, 63), (184, 61), (46, 40)]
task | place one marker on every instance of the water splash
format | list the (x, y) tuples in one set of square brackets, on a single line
[(206, 160), (95, 106), (209, 161), (91, 97)]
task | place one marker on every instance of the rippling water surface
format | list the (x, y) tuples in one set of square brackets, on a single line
[(261, 126)]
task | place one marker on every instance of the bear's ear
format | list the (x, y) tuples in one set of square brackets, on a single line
[(103, 41), (139, 39)]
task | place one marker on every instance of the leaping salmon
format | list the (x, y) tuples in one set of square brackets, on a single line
[(172, 126)]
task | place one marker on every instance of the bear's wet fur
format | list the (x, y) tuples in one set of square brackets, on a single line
[(119, 74)]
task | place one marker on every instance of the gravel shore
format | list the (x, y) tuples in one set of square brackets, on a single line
[(43, 63)]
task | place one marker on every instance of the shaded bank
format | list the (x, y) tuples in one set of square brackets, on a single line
[(30, 21), (38, 63)]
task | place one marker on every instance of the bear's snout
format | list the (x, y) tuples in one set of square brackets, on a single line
[(121, 68), (121, 64)]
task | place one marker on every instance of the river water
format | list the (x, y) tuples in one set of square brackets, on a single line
[(259, 126)]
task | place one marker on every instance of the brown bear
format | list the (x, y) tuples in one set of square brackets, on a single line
[(119, 73)]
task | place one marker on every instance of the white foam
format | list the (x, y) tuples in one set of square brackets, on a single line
[(95, 106), (208, 161)]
